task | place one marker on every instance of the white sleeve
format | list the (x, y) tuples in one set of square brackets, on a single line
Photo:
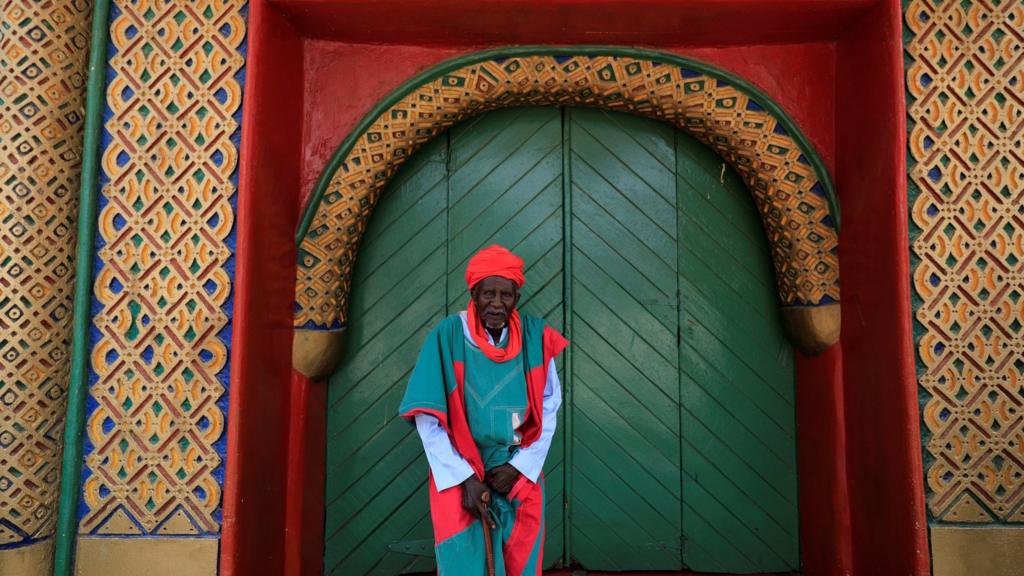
[(447, 465), (530, 460)]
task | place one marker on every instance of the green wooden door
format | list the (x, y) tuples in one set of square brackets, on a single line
[(676, 441), (625, 508)]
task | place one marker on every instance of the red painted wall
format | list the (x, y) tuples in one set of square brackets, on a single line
[(344, 81), (884, 459), (316, 67), (826, 542), (626, 22), (256, 474)]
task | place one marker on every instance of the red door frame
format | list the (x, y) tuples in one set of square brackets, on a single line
[(314, 68)]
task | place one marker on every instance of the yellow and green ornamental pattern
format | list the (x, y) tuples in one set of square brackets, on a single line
[(43, 51), (162, 280), (789, 193), (965, 80)]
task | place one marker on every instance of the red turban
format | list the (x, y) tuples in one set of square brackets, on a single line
[(495, 261)]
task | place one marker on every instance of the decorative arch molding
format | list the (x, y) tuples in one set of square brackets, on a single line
[(787, 179)]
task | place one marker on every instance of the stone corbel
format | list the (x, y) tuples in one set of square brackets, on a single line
[(315, 353), (812, 329)]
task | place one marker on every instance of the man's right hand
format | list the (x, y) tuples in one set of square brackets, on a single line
[(472, 495)]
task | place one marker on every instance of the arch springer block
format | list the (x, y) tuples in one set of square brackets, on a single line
[(316, 353)]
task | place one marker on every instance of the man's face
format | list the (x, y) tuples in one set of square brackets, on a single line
[(495, 298)]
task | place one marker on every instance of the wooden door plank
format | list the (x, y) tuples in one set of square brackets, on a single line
[(368, 372), (618, 164), (699, 270), (647, 260), (738, 421), (604, 357), (625, 471), (507, 189), (765, 353), (751, 393), (375, 466)]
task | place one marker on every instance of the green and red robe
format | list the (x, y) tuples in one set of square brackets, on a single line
[(503, 414)]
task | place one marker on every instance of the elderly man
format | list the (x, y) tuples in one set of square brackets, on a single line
[(484, 397)]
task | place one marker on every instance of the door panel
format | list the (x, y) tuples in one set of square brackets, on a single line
[(739, 438), (376, 485), (679, 445), (507, 189), (624, 503)]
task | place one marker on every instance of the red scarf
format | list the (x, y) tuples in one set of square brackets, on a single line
[(479, 333)]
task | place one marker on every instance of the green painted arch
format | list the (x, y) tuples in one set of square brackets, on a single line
[(790, 184)]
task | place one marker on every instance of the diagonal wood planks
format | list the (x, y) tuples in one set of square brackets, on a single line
[(507, 189), (738, 421), (496, 179), (683, 439), (376, 470), (625, 506)]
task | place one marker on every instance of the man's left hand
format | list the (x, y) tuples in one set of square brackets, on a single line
[(502, 478)]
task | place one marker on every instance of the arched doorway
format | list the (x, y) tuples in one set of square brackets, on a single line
[(790, 186), (677, 445)]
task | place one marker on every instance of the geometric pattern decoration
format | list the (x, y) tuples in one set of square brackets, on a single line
[(790, 195), (157, 397), (43, 52), (965, 83)]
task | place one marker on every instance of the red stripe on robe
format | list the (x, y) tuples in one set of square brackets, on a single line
[(460, 433), (446, 512), (536, 380), (527, 525)]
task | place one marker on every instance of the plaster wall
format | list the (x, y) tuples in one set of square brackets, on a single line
[(825, 405), (837, 69)]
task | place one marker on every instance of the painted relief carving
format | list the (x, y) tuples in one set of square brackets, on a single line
[(791, 192), (162, 282), (966, 177), (43, 51)]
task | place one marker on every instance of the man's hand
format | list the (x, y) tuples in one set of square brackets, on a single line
[(472, 496), (502, 478)]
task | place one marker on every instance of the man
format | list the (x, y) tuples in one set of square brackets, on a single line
[(484, 396)]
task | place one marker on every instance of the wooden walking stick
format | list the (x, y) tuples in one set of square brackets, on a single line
[(487, 524)]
